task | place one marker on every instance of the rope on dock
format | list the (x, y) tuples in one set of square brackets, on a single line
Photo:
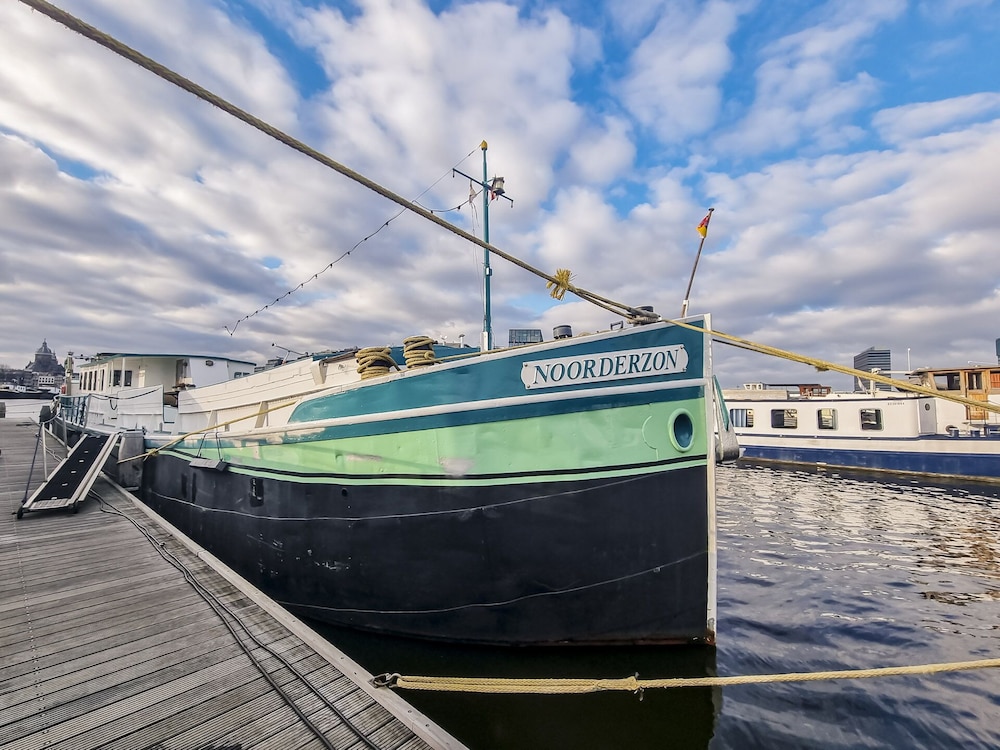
[(635, 685), (230, 619)]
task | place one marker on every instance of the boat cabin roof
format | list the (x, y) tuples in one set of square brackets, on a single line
[(105, 357)]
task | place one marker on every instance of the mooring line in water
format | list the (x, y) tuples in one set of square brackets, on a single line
[(633, 684)]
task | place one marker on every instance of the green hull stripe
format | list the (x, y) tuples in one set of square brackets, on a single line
[(617, 442), (611, 473)]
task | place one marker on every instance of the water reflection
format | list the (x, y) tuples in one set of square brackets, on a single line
[(823, 570), (678, 718)]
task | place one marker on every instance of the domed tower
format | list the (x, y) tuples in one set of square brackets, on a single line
[(45, 362)]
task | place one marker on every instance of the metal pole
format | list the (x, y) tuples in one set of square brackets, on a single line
[(687, 294), (487, 338), (45, 458)]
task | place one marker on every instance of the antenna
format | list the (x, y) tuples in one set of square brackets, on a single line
[(287, 351)]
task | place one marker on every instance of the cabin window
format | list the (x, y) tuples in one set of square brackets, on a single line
[(975, 381), (871, 419), (826, 419), (102, 380), (784, 419), (741, 417), (948, 381), (116, 378)]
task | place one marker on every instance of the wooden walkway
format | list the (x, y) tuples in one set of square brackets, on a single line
[(105, 641)]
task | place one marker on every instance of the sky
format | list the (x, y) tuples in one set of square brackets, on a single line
[(850, 151)]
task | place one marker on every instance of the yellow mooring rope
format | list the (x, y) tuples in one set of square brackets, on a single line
[(635, 685), (823, 365)]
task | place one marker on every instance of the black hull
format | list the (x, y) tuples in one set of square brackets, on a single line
[(595, 561)]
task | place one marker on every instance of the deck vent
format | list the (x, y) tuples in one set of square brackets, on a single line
[(562, 332)]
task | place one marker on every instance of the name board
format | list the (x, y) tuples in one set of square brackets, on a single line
[(597, 368)]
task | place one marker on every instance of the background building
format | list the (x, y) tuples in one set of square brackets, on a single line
[(873, 359), (519, 336), (44, 371)]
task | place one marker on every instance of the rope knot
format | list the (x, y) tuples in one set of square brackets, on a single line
[(561, 284)]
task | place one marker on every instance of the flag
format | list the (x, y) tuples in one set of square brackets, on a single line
[(703, 227)]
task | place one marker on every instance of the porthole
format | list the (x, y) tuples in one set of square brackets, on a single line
[(681, 430)]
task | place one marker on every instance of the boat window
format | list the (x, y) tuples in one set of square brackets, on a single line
[(785, 419), (975, 381), (116, 378), (741, 417), (871, 419), (128, 378), (826, 419), (948, 381)]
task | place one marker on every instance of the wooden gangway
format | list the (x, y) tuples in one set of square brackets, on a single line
[(70, 482), (115, 633)]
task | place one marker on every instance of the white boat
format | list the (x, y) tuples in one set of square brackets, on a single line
[(559, 492), (879, 430)]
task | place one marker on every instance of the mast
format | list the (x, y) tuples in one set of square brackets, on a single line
[(487, 337), (492, 189)]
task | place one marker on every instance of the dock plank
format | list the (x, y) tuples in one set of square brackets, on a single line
[(105, 643)]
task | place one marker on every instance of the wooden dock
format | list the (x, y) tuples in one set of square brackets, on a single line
[(116, 632)]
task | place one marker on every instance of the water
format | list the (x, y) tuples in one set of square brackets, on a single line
[(817, 571), (24, 409)]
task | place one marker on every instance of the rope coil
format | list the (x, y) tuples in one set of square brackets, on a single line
[(418, 351), (375, 361)]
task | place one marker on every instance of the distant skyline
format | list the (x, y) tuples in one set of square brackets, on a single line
[(851, 151)]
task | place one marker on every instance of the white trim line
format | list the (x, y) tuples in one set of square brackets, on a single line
[(465, 406)]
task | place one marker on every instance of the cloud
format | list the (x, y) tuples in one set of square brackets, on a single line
[(801, 93), (601, 154), (672, 86), (909, 121)]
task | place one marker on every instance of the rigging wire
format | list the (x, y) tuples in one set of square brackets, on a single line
[(330, 265)]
